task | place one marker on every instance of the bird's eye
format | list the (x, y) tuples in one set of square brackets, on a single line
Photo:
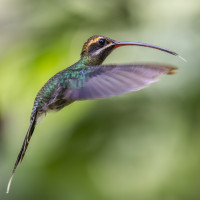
[(102, 42)]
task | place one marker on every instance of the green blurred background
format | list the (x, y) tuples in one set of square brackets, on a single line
[(143, 145)]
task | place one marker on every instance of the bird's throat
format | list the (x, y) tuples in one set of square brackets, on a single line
[(89, 61)]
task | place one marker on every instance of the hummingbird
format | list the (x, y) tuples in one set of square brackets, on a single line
[(89, 79)]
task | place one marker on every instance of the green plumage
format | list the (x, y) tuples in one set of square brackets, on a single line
[(73, 77)]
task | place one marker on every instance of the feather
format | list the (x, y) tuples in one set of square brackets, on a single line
[(110, 80), (24, 146)]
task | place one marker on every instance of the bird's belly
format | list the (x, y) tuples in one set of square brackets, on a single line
[(60, 100), (58, 105)]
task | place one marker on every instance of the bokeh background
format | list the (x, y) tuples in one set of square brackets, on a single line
[(143, 145)]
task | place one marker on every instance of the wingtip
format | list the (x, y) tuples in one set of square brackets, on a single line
[(172, 70)]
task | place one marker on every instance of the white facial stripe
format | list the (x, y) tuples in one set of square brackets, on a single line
[(100, 50)]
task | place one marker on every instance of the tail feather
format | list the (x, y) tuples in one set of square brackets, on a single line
[(24, 146)]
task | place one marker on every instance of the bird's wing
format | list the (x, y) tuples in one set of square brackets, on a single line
[(110, 80)]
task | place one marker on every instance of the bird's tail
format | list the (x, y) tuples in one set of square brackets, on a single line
[(24, 146)]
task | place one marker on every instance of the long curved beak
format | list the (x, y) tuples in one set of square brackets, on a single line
[(121, 43)]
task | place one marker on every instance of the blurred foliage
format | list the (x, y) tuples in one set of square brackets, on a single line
[(144, 145)]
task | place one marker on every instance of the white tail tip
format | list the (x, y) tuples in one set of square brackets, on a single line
[(9, 183)]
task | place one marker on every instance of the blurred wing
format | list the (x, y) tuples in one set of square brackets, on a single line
[(110, 80)]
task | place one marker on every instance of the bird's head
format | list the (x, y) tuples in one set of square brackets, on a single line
[(97, 48)]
